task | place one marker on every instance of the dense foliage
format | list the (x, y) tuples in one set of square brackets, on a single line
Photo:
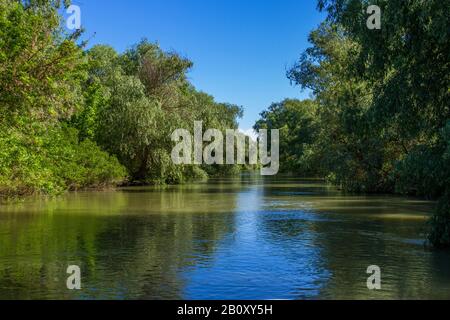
[(381, 102), (134, 101), (299, 128), (379, 121), (41, 80), (73, 119)]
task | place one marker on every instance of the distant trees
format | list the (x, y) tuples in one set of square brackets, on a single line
[(357, 153), (382, 112), (135, 101), (299, 128)]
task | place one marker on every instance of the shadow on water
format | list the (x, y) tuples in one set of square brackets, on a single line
[(242, 238)]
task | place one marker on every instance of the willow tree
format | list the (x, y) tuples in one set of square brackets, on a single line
[(40, 64), (42, 74), (137, 99), (387, 92), (298, 124)]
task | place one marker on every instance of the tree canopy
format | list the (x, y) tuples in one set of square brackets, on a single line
[(72, 118), (382, 115)]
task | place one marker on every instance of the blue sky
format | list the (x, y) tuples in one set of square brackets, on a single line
[(240, 48)]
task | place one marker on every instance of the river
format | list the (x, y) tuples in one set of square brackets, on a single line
[(237, 238)]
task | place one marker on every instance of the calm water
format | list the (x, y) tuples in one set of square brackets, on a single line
[(241, 238)]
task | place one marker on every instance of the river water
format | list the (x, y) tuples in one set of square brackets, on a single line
[(239, 238)]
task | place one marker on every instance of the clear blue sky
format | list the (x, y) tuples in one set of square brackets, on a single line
[(240, 48)]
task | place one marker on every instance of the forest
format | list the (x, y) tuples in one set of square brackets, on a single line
[(73, 118), (378, 120)]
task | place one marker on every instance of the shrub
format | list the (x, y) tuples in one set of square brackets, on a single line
[(50, 160)]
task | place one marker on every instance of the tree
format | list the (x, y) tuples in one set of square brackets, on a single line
[(42, 72), (40, 66), (383, 99), (297, 122), (137, 99)]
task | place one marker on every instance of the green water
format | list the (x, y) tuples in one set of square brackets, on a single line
[(242, 238)]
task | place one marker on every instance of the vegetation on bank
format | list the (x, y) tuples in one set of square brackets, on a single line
[(380, 118), (72, 118)]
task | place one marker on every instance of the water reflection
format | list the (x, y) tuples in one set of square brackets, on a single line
[(243, 238)]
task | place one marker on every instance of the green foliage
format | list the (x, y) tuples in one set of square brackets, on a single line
[(352, 150), (439, 234), (426, 172), (407, 65), (38, 159), (382, 119), (298, 127), (42, 74), (62, 109), (38, 63), (135, 101)]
